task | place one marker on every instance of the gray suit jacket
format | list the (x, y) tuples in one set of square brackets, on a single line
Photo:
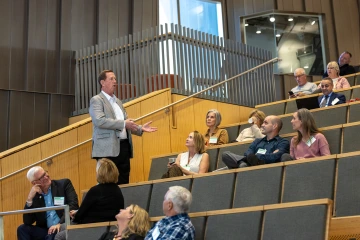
[(106, 128)]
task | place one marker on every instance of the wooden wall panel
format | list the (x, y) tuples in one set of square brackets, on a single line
[(354, 47), (124, 18), (14, 119), (41, 115), (157, 142), (182, 125), (27, 116), (102, 21), (112, 19), (249, 6), (59, 143), (37, 38), (5, 42), (299, 5), (229, 113), (4, 123), (55, 112)]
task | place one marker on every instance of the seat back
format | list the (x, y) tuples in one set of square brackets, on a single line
[(87, 231), (233, 132), (275, 108), (242, 225), (258, 187), (287, 126), (159, 166), (137, 194), (160, 188), (212, 192), (333, 136), (237, 148), (347, 190), (213, 157), (291, 106), (199, 225), (330, 116), (354, 112), (308, 180), (350, 142)]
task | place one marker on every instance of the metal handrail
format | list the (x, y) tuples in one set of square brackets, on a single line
[(146, 115), (33, 210)]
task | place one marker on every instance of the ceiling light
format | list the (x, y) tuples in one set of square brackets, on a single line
[(306, 66), (278, 35), (272, 19), (246, 24), (290, 19), (258, 31), (313, 21)]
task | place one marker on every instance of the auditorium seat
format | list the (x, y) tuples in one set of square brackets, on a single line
[(309, 179), (287, 126), (296, 223), (333, 136), (347, 202), (199, 222), (159, 165), (159, 189), (291, 106), (213, 158), (259, 185), (354, 111), (234, 224), (329, 116), (273, 108), (350, 141), (137, 193), (212, 191), (356, 89), (346, 92), (87, 231), (238, 148), (233, 132)]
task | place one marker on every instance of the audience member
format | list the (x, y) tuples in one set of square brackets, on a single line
[(263, 150), (333, 72), (344, 61), (132, 224), (177, 224), (194, 161), (256, 119), (104, 200), (46, 193), (303, 86), (329, 98), (309, 141), (215, 135)]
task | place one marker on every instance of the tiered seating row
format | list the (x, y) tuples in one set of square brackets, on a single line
[(312, 220)]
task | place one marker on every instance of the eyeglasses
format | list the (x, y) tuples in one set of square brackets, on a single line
[(45, 174), (299, 76), (325, 86)]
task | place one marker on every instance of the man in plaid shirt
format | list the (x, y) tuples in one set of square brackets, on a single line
[(176, 224)]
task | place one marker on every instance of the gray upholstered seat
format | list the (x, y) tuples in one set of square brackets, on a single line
[(351, 140), (258, 187), (333, 136), (354, 112), (212, 192), (287, 127), (246, 225), (159, 166), (139, 194), (296, 223), (347, 191), (158, 192), (309, 180), (86, 233), (356, 91), (213, 157), (277, 108), (291, 106), (330, 116), (233, 132), (239, 149), (199, 225)]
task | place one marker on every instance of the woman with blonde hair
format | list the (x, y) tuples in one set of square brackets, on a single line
[(104, 200), (309, 142), (132, 224), (215, 135), (256, 119), (194, 161), (333, 71)]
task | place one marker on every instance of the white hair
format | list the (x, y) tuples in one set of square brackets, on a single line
[(301, 70), (30, 174), (180, 197)]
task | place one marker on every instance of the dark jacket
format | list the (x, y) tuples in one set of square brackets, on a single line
[(333, 96), (59, 188)]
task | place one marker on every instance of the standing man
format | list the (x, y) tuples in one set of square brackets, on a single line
[(263, 150), (329, 98), (303, 86), (46, 193), (112, 128), (176, 224), (344, 61)]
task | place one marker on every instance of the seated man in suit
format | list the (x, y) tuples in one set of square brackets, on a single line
[(268, 149), (46, 193), (329, 98)]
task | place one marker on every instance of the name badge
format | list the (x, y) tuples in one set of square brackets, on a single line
[(59, 200), (310, 141), (213, 140), (155, 234), (335, 101), (261, 151)]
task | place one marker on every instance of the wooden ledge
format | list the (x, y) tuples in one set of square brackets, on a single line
[(307, 160), (330, 107), (165, 155), (172, 179), (271, 103), (344, 225), (354, 103), (235, 210), (349, 154), (323, 201), (259, 167), (351, 124), (88, 225), (135, 184), (209, 174)]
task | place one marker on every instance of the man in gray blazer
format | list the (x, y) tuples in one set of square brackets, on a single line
[(112, 128)]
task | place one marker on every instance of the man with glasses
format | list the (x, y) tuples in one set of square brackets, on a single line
[(303, 86), (329, 98), (46, 193)]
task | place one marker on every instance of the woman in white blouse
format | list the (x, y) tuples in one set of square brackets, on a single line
[(256, 119)]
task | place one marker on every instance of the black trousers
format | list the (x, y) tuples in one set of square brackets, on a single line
[(122, 162)]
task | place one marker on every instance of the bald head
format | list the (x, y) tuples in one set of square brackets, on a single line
[(271, 126)]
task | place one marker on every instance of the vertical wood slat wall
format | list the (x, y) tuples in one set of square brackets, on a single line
[(77, 163), (341, 16)]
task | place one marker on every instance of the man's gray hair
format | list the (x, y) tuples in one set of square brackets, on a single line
[(301, 70), (30, 174), (180, 197)]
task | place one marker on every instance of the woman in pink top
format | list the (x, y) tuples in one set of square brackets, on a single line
[(309, 142), (339, 82)]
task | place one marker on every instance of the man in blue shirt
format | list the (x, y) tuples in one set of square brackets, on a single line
[(329, 98), (176, 224), (46, 193), (263, 150)]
